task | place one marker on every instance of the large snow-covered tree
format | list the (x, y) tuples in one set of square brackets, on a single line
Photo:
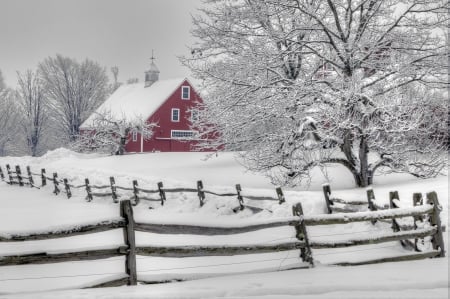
[(111, 134), (74, 89), (33, 111), (300, 84)]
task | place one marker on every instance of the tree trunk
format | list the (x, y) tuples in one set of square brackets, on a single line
[(365, 174), (359, 167)]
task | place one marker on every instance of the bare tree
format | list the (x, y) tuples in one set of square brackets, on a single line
[(74, 90), (2, 81), (33, 110), (301, 84), (111, 134), (8, 122)]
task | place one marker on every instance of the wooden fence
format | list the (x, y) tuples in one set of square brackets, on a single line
[(299, 221), (135, 193), (428, 212), (417, 221)]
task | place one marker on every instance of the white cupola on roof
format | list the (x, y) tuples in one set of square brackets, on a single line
[(152, 75)]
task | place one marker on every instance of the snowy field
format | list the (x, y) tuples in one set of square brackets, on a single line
[(33, 210)]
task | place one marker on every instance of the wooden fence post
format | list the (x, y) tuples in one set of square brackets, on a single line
[(370, 199), (30, 176), (67, 187), (395, 226), (126, 211), (88, 190), (19, 175), (327, 192), (280, 195), (392, 196), (200, 193), (10, 176), (112, 181), (43, 177), (417, 200), (436, 240), (135, 192), (239, 196), (56, 183), (2, 176), (302, 235), (162, 194)]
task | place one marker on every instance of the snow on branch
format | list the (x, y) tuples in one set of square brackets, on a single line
[(108, 133)]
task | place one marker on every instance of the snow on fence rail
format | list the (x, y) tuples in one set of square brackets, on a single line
[(138, 193)]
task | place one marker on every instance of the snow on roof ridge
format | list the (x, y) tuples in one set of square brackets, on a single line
[(135, 100)]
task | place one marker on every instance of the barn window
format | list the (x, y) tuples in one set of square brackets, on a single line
[(134, 136), (185, 92), (182, 134), (175, 114)]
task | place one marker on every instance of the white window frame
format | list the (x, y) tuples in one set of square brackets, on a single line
[(134, 136), (194, 133), (172, 115), (189, 92)]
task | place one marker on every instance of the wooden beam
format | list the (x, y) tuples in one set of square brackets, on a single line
[(375, 239), (326, 193), (435, 220), (206, 230), (367, 216), (196, 251), (126, 211), (48, 258), (401, 258), (66, 232)]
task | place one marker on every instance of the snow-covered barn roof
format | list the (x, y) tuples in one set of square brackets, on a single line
[(135, 100)]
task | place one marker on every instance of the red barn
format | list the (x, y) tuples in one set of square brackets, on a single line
[(168, 103)]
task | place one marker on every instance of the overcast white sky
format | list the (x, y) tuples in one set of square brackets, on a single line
[(111, 32)]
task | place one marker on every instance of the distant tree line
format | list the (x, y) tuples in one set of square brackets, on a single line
[(49, 104)]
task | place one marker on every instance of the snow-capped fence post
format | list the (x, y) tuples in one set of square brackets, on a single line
[(10, 176), (436, 240), (302, 235), (30, 176), (67, 187), (112, 181), (162, 194), (327, 192), (43, 177), (88, 190), (126, 211), (2, 176), (56, 183), (280, 195), (19, 175), (370, 199), (392, 205), (200, 193), (239, 196), (417, 200), (135, 192)]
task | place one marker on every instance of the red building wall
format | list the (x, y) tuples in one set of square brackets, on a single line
[(161, 139)]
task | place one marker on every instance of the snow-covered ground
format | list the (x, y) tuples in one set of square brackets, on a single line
[(33, 210)]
